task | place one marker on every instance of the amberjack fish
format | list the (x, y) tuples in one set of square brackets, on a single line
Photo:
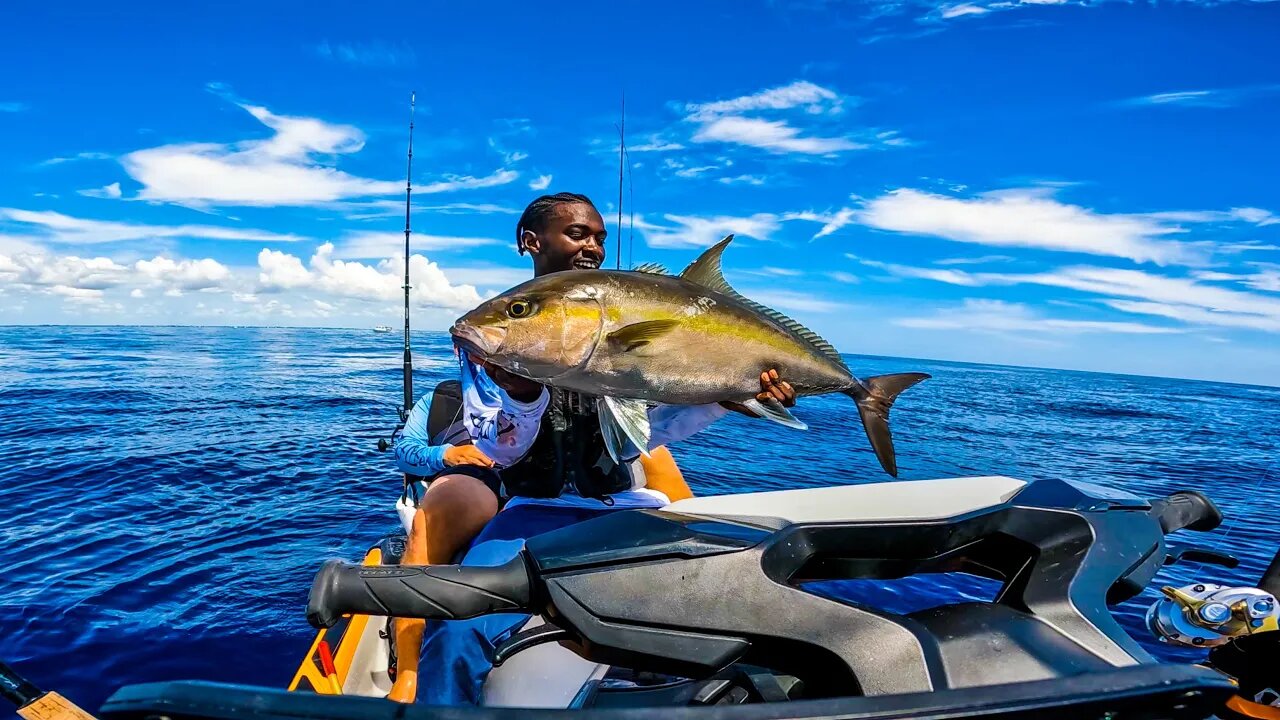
[(634, 337)]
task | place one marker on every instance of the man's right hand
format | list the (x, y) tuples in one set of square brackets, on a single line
[(466, 455)]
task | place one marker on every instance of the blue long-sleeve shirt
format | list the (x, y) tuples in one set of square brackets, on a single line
[(504, 428)]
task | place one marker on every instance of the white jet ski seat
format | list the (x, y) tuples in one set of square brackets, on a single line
[(899, 500)]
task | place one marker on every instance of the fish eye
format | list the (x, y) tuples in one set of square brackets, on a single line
[(520, 309)]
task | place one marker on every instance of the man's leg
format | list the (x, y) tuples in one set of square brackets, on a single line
[(453, 511)]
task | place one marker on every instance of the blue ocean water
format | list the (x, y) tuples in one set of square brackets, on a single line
[(168, 493)]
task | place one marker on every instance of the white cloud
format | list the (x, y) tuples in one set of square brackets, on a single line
[(700, 232), (689, 172), (950, 277), (77, 157), (1024, 218), (542, 182), (381, 282), (281, 271), (111, 191), (184, 274), (489, 275), (1209, 98), (814, 99), (137, 293), (755, 180), (452, 183), (984, 260), (365, 245), (772, 135), (793, 301), (781, 272), (844, 277), (283, 169), (56, 227), (738, 121), (63, 274), (955, 11), (977, 315), (655, 143)]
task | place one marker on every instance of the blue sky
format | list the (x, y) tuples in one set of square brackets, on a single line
[(1065, 184)]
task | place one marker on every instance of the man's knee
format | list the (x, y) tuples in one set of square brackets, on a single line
[(455, 497)]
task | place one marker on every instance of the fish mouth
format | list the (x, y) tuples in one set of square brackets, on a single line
[(475, 341), (586, 264)]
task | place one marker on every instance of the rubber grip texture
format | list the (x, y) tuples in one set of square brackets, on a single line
[(432, 592), (1186, 509)]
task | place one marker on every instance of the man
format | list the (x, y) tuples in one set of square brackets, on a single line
[(519, 439)]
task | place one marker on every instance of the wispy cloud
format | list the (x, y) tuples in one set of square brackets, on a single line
[(453, 183), (754, 180), (368, 209), (764, 120), (984, 260), (111, 191), (13, 107), (373, 54), (366, 245), (1209, 98), (831, 222), (793, 301), (55, 227), (78, 157), (1025, 218), (689, 231), (542, 182), (996, 316)]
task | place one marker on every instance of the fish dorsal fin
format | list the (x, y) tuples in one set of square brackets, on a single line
[(705, 271), (652, 268)]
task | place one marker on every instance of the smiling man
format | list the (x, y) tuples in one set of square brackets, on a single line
[(518, 439)]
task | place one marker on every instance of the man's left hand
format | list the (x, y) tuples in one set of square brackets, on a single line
[(771, 388)]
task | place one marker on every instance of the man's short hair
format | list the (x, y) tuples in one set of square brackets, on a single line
[(535, 216)]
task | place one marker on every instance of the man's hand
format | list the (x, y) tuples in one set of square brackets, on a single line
[(771, 387), (466, 455), (522, 389)]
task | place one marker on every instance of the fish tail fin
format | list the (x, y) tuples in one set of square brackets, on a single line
[(874, 396)]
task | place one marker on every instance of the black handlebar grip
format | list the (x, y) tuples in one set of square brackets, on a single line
[(1186, 509), (433, 592), (1271, 577)]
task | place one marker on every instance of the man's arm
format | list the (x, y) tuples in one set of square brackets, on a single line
[(501, 427), (673, 423)]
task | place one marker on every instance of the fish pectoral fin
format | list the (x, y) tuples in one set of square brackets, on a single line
[(639, 334), (774, 410), (622, 420)]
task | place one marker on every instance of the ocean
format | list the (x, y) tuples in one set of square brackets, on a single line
[(169, 492)]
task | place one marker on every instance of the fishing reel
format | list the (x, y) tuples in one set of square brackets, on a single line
[(1208, 615)]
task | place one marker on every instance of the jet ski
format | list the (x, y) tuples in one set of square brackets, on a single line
[(739, 636)]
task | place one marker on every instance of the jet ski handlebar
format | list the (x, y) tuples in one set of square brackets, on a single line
[(1186, 509), (433, 592)]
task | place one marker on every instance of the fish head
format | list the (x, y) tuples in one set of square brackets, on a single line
[(540, 329)]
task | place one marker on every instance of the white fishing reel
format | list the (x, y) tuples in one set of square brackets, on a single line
[(1207, 615)]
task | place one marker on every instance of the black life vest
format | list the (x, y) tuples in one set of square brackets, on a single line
[(568, 452)]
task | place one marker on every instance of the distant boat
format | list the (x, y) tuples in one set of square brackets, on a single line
[(382, 328)]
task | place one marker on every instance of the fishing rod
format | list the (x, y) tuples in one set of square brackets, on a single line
[(404, 409), (408, 197), (622, 149)]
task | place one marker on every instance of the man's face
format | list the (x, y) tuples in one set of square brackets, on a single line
[(572, 240)]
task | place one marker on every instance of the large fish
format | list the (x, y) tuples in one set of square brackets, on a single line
[(635, 337)]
